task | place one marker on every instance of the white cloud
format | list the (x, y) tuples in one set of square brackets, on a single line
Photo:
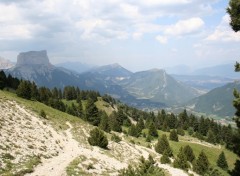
[(162, 39), (164, 2), (185, 27), (223, 32)]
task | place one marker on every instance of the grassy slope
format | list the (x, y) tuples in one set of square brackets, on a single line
[(58, 120)]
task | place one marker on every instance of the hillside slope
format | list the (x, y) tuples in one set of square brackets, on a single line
[(58, 143), (157, 86), (216, 102)]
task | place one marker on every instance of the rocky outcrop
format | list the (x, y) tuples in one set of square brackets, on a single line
[(33, 58)]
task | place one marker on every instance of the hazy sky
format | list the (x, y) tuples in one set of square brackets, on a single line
[(138, 34)]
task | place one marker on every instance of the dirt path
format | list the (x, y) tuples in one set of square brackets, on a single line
[(56, 166)]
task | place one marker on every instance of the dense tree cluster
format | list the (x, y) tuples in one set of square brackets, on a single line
[(8, 81)]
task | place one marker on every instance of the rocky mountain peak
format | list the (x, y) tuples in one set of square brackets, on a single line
[(33, 58), (5, 64)]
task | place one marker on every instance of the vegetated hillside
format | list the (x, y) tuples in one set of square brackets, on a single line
[(217, 102), (58, 144), (157, 86)]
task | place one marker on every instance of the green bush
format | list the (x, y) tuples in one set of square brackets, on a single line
[(98, 138)]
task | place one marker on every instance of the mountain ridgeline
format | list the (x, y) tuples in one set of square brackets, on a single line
[(161, 89), (149, 90)]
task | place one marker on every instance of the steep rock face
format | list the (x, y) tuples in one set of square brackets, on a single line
[(33, 58)]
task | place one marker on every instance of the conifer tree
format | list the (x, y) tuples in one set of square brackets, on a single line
[(132, 131), (3, 79), (34, 92), (211, 137), (201, 165), (234, 12), (80, 112), (92, 115), (163, 145), (113, 123), (97, 138), (173, 136), (140, 124), (24, 90), (181, 161), (104, 124), (152, 131), (222, 162), (165, 159), (187, 150)]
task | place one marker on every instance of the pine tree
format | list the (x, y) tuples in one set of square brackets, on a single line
[(181, 161), (80, 112), (163, 145), (222, 162), (24, 90), (187, 150), (92, 115), (132, 131), (104, 124), (173, 136), (97, 138), (152, 131), (233, 11), (140, 124), (211, 138), (113, 123), (165, 159), (201, 165), (3, 79), (34, 92)]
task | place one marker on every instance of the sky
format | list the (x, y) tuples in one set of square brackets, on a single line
[(138, 34)]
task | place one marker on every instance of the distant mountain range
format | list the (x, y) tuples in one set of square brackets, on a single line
[(151, 89), (224, 70), (203, 82)]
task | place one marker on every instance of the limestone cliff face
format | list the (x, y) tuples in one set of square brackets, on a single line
[(33, 58)]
